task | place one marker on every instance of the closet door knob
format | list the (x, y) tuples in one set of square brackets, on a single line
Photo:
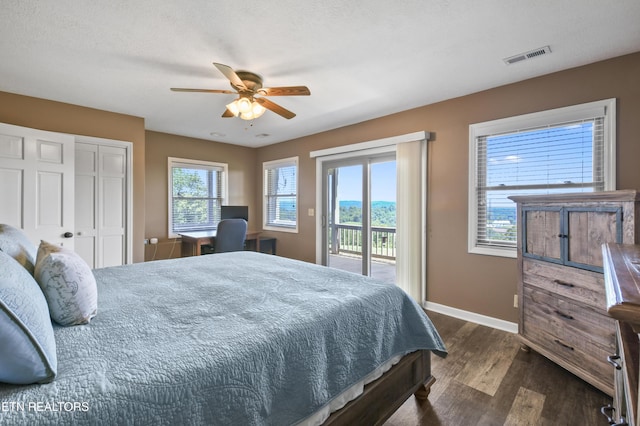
[(68, 235)]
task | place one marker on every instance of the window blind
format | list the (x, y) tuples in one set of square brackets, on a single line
[(197, 192), (558, 158), (281, 193)]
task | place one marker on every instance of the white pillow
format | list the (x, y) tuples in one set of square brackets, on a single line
[(15, 243), (27, 343), (68, 284)]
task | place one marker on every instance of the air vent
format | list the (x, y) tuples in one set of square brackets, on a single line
[(527, 55)]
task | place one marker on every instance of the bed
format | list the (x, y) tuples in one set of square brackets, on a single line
[(235, 338)]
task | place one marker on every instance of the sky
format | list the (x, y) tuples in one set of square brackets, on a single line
[(545, 157), (383, 182)]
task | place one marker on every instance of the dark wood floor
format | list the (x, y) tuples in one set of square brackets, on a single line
[(488, 380)]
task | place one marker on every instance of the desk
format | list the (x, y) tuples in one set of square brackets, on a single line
[(192, 241)]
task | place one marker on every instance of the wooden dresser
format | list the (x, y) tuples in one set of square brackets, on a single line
[(561, 293), (622, 282)]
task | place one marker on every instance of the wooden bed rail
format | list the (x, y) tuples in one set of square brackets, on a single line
[(382, 397)]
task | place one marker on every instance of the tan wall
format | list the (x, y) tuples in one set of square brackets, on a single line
[(481, 284), (476, 283), (65, 118), (160, 146)]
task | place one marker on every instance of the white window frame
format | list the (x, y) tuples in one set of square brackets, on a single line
[(270, 165), (604, 108), (196, 164)]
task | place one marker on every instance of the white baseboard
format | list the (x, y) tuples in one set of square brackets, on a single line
[(499, 324)]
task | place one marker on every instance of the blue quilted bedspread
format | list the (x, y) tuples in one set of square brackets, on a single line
[(226, 339)]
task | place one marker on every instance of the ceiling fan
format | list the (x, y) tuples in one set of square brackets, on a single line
[(247, 84)]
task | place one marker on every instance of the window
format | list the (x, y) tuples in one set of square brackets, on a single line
[(563, 150), (280, 207), (197, 189)]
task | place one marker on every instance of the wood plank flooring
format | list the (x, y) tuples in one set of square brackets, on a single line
[(488, 380)]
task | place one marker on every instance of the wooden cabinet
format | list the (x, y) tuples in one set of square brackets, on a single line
[(570, 235), (561, 294)]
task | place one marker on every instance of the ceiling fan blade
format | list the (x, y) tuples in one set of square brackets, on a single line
[(275, 108), (227, 114), (181, 89), (231, 75), (285, 91)]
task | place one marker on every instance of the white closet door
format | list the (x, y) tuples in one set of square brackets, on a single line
[(86, 202), (37, 183), (101, 178), (112, 179)]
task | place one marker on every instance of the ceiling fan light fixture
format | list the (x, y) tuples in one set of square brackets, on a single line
[(257, 109), (246, 108), (233, 108), (244, 105)]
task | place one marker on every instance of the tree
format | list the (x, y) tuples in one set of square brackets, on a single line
[(190, 193), (383, 213)]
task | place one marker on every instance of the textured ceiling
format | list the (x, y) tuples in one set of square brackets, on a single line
[(360, 59)]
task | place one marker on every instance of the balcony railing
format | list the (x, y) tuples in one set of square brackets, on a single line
[(348, 239)]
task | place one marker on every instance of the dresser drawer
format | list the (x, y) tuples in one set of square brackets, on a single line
[(572, 283), (587, 362), (575, 324), (580, 336)]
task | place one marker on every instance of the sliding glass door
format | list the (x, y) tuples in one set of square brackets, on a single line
[(359, 215), (383, 220)]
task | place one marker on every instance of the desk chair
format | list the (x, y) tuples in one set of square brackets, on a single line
[(230, 235)]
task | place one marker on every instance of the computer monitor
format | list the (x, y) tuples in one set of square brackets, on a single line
[(234, 212)]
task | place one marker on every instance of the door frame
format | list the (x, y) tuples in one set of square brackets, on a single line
[(365, 161), (374, 147)]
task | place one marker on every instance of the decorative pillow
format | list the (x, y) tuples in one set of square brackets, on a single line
[(67, 283), (15, 243), (27, 344)]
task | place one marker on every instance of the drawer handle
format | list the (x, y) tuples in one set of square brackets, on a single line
[(563, 315), (564, 283), (608, 412), (612, 359), (563, 344), (563, 236)]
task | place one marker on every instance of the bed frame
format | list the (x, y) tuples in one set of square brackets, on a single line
[(381, 398)]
